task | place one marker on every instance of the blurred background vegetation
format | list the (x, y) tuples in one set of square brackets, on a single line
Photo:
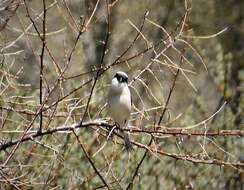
[(57, 161)]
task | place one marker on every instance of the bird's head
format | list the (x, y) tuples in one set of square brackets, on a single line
[(119, 81)]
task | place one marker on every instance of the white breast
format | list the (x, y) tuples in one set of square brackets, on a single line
[(119, 105)]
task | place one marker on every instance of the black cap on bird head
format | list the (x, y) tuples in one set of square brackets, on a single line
[(121, 76)]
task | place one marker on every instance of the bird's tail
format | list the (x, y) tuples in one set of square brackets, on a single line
[(128, 144)]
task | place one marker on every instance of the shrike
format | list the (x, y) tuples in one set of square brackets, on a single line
[(119, 104)]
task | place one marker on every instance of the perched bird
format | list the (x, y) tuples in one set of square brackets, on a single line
[(119, 104)]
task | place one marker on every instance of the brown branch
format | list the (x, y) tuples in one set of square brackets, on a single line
[(101, 62), (180, 131), (91, 162), (117, 60), (11, 9), (162, 131), (42, 57), (139, 165), (165, 131), (170, 93), (191, 159), (17, 144), (8, 180)]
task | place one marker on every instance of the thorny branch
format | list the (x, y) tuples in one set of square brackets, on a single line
[(162, 131)]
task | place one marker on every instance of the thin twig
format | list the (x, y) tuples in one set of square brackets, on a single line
[(42, 57), (139, 165), (101, 62), (91, 162)]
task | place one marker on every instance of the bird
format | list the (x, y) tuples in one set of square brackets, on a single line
[(119, 104)]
